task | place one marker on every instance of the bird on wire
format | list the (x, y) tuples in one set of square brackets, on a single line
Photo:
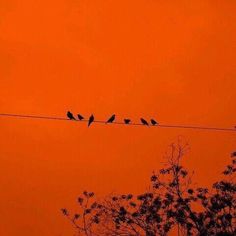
[(70, 115), (111, 119), (144, 122), (153, 122), (127, 121), (80, 117), (91, 120)]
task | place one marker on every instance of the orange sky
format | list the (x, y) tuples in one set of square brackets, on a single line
[(169, 59)]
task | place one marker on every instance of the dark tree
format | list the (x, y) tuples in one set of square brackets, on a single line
[(172, 203)]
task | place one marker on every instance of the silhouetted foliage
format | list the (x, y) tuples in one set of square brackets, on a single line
[(172, 201)]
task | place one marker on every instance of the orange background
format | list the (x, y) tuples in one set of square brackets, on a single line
[(172, 60)]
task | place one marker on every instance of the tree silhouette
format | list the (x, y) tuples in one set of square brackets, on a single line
[(172, 202)]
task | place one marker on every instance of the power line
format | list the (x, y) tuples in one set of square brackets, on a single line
[(121, 123)]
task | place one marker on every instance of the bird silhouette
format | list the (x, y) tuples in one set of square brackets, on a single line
[(153, 122), (91, 120), (70, 115), (127, 121), (144, 122), (111, 119), (80, 117)]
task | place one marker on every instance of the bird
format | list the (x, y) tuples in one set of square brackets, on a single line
[(153, 122), (80, 117), (144, 122), (127, 121), (111, 119), (70, 115), (91, 120)]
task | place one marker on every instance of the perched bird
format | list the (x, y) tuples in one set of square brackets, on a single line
[(70, 115), (91, 120), (127, 121), (153, 122), (111, 119), (144, 122), (80, 117)]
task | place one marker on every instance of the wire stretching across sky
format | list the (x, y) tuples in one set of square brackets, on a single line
[(120, 123)]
